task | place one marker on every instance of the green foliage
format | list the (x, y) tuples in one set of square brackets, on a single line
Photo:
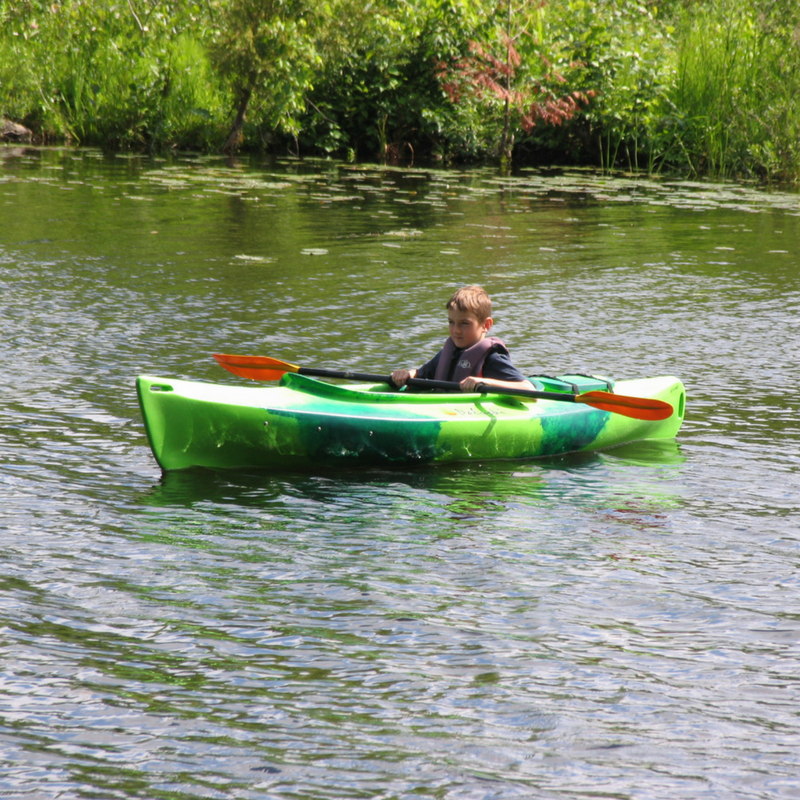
[(102, 72), (704, 86), (378, 93), (619, 52), (266, 50)]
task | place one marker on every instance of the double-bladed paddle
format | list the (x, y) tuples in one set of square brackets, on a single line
[(263, 368)]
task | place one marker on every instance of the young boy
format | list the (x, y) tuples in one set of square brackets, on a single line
[(469, 357)]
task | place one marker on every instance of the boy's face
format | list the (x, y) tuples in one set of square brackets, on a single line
[(465, 328)]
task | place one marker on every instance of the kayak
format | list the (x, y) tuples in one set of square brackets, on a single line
[(308, 423)]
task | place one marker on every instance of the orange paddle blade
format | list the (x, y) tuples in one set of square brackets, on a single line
[(256, 368), (636, 407)]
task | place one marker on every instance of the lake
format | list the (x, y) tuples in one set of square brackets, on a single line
[(623, 624)]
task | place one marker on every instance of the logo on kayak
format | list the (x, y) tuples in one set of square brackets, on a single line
[(465, 364)]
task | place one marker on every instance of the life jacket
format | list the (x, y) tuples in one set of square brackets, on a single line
[(470, 361)]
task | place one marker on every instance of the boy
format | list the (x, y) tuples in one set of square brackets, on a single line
[(469, 357)]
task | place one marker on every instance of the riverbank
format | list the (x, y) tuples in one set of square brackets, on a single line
[(14, 132), (705, 89)]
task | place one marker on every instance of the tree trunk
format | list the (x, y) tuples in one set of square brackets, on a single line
[(235, 136), (505, 150), (506, 125)]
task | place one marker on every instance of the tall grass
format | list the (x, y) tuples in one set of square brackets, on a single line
[(89, 73), (161, 98), (736, 89)]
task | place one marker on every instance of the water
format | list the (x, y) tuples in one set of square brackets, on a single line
[(618, 625)]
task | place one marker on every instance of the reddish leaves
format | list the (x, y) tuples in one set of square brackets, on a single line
[(484, 75)]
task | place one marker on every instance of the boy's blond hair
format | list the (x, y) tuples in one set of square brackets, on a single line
[(472, 299)]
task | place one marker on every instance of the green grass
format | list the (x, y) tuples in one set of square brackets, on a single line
[(738, 75)]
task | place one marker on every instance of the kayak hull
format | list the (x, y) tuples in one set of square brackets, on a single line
[(305, 423)]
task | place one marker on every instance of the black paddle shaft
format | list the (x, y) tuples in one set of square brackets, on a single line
[(445, 386)]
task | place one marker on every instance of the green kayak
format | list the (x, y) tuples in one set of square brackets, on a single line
[(307, 423)]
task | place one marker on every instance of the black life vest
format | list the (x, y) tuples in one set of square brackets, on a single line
[(470, 360)]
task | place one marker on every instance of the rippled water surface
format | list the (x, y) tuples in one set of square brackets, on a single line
[(623, 625)]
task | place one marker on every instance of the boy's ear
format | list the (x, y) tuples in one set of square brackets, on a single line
[(487, 323)]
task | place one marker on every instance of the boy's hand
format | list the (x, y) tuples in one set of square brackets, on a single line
[(471, 383), (400, 377)]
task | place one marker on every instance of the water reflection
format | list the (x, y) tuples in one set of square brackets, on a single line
[(504, 629), (440, 502)]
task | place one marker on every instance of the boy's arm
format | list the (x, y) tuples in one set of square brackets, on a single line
[(470, 384), (500, 372)]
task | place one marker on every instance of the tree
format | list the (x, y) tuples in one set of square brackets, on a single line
[(378, 93), (266, 50), (515, 65)]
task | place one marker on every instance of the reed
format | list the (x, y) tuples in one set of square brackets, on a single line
[(90, 74), (166, 96), (738, 74)]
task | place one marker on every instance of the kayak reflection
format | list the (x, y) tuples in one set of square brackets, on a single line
[(637, 473)]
